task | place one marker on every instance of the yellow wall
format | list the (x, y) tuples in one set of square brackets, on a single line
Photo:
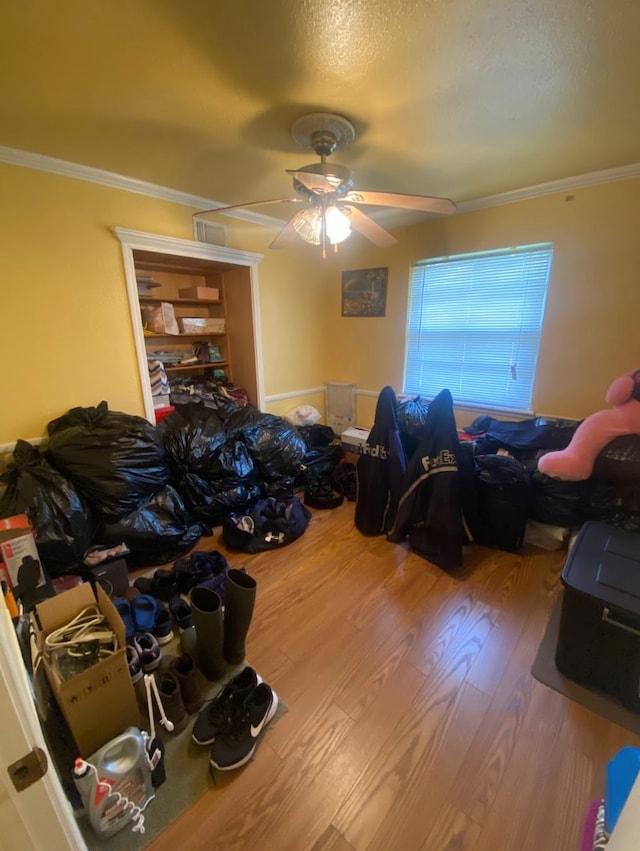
[(592, 314), (65, 332), (66, 340)]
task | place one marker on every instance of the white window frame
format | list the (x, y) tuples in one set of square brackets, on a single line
[(474, 323)]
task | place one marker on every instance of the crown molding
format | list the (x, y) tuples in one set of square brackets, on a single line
[(40, 162), (141, 240), (567, 184)]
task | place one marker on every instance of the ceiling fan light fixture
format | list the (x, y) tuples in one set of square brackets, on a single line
[(337, 225), (308, 225)]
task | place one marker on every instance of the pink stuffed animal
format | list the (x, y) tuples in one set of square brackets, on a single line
[(576, 461)]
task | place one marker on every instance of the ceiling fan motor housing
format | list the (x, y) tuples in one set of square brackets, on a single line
[(323, 132)]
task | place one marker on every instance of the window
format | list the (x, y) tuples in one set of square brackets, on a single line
[(474, 325)]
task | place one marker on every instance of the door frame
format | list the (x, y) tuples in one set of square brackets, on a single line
[(42, 810), (134, 239)]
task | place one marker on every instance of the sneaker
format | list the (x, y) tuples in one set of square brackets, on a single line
[(163, 629), (123, 607), (237, 743), (133, 661), (215, 716), (181, 611), (166, 585), (147, 647)]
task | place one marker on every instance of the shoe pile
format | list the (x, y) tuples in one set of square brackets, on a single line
[(180, 690), (147, 626), (233, 722)]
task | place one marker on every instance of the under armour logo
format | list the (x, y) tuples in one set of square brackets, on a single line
[(279, 538)]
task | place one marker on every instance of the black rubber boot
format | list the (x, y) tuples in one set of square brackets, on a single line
[(240, 597), (207, 619)]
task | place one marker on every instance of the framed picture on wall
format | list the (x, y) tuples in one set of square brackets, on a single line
[(364, 292)]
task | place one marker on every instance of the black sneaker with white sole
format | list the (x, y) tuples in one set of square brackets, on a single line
[(216, 714), (237, 743)]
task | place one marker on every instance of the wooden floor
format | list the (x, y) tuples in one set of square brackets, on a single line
[(413, 720)]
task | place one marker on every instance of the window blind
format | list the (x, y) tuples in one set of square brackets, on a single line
[(474, 324)]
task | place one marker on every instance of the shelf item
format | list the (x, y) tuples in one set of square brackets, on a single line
[(186, 313), (209, 293), (160, 319), (152, 335), (210, 365), (201, 325), (151, 299)]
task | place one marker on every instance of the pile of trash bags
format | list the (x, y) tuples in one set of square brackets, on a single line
[(108, 477)]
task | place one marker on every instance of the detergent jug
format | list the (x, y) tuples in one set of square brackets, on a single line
[(115, 783)]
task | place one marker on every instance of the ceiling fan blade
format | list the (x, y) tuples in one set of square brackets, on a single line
[(250, 204), (399, 199), (318, 182), (288, 235), (367, 227)]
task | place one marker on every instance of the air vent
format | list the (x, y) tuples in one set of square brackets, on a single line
[(210, 232)]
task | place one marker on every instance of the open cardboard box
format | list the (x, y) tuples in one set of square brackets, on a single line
[(353, 439), (99, 703)]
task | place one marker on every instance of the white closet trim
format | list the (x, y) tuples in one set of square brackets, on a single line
[(132, 240)]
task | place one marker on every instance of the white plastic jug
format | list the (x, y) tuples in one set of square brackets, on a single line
[(115, 783)]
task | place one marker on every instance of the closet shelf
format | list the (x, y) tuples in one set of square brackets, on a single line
[(144, 299), (154, 335), (211, 365)]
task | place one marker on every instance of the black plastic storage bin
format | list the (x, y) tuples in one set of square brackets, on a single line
[(599, 635)]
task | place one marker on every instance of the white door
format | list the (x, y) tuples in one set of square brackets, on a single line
[(39, 818)]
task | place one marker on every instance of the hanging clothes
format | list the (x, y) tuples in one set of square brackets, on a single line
[(380, 469), (430, 512)]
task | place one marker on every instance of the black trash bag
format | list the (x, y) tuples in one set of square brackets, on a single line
[(344, 476), (617, 505), (619, 461), (159, 531), (211, 506), (282, 488), (317, 435), (272, 523), (241, 418), (191, 434), (115, 460), (559, 503), (412, 415), (204, 460), (321, 461), (230, 466), (61, 519), (276, 447)]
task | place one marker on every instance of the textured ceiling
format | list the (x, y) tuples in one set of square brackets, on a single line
[(459, 98)]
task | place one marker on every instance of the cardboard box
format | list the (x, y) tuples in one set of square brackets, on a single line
[(209, 293), (100, 702), (19, 559), (201, 325), (353, 439)]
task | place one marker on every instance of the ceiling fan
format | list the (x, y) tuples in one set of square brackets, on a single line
[(331, 204)]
